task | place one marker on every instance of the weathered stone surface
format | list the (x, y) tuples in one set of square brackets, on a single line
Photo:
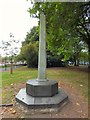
[(41, 89), (42, 50), (31, 102)]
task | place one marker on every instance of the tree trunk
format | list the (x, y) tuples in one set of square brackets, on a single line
[(5, 64), (78, 62), (75, 62), (11, 70), (84, 61), (89, 56), (76, 59)]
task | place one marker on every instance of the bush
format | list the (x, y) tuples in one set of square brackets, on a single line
[(54, 61), (30, 53)]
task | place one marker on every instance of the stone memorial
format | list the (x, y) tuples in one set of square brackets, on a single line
[(41, 92)]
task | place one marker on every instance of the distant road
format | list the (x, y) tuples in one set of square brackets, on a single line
[(8, 68)]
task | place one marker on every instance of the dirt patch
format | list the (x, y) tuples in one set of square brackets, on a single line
[(77, 106)]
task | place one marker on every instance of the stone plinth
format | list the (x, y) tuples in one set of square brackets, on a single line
[(41, 89), (41, 102)]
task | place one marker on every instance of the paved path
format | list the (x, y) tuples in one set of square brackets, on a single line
[(8, 68)]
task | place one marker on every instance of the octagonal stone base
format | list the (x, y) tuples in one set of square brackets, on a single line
[(37, 88), (35, 102)]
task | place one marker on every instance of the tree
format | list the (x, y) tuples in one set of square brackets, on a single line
[(83, 26), (84, 57), (32, 36), (29, 52), (61, 22), (4, 47), (29, 49), (78, 46), (13, 50), (10, 49)]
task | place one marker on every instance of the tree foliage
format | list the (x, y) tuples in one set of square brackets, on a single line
[(32, 36), (84, 57), (29, 49), (29, 52), (10, 50), (83, 26), (62, 21)]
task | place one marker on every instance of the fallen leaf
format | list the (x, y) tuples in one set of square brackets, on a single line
[(32, 113), (11, 84), (22, 116), (84, 114), (77, 104), (80, 111), (5, 109), (13, 112), (12, 100), (1, 113), (10, 109), (13, 94), (64, 114)]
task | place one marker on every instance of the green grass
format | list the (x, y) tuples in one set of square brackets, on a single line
[(76, 78), (64, 75), (19, 75)]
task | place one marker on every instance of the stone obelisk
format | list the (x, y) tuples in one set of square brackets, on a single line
[(42, 50)]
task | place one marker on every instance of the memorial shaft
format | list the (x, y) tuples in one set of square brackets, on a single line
[(42, 50)]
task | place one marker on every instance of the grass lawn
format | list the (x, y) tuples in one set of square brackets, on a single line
[(77, 78), (21, 74)]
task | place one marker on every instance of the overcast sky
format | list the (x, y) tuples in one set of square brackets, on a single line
[(15, 19)]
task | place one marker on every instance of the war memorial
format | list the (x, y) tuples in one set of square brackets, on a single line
[(42, 92)]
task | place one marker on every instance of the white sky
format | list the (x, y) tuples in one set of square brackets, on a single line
[(15, 19)]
